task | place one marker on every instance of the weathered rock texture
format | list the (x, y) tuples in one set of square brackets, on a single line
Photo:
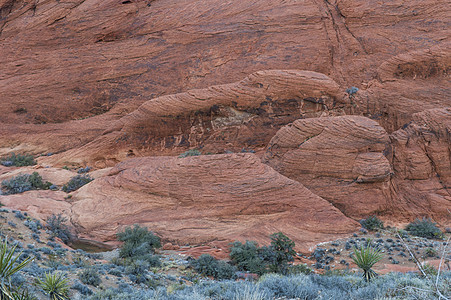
[(422, 166), (339, 158), (205, 198), (231, 117), (100, 81), (346, 160)]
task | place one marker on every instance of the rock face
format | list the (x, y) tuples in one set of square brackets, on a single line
[(353, 163), (339, 158), (102, 81), (422, 166), (231, 117), (205, 198)]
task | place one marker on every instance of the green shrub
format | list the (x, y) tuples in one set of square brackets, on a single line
[(207, 265), (19, 160), (76, 182), (89, 276), (247, 257), (138, 242), (372, 223), (55, 223), (424, 228), (283, 248), (299, 269), (191, 152), (24, 182), (272, 258), (54, 285)]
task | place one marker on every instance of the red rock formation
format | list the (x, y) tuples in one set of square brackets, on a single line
[(338, 158), (343, 159), (422, 167), (205, 198), (98, 82), (245, 114)]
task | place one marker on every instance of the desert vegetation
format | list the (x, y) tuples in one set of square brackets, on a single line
[(40, 268), (24, 182)]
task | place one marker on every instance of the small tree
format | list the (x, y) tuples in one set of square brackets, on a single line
[(365, 258), (283, 248)]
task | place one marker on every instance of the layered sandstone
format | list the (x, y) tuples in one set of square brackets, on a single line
[(205, 198), (338, 158), (230, 117)]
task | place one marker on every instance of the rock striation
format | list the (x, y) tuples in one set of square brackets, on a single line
[(338, 158), (205, 198)]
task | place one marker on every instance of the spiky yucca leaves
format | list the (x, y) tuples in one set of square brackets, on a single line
[(365, 258), (12, 294), (55, 286), (9, 266)]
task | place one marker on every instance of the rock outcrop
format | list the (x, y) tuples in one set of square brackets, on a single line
[(422, 167), (353, 163), (100, 82), (338, 158), (205, 198), (231, 117)]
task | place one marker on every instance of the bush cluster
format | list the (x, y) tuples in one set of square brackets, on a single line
[(259, 260), (56, 224), (372, 223), (138, 242), (207, 265), (19, 160), (76, 182), (191, 152), (90, 276), (274, 286), (424, 228), (24, 182)]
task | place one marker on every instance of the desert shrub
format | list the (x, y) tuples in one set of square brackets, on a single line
[(89, 276), (34, 225), (76, 182), (299, 269), (191, 152), (272, 258), (55, 223), (138, 242), (246, 257), (207, 265), (372, 223), (83, 289), (430, 252), (24, 182), (424, 228), (283, 249), (19, 160)]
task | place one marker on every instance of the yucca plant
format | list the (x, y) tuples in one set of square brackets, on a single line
[(9, 266), (365, 258), (12, 294), (54, 285)]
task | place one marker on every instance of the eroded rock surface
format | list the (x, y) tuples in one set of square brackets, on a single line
[(339, 158), (231, 117), (422, 166), (205, 198)]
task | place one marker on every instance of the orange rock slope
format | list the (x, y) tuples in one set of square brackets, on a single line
[(139, 82), (205, 198)]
